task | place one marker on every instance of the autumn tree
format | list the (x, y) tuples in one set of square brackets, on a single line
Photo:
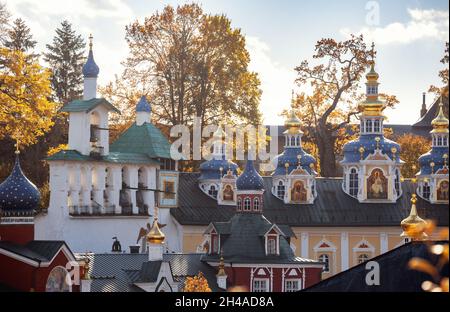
[(334, 79), (412, 147), (19, 38), (65, 57), (443, 74), (190, 64), (4, 19), (25, 111), (197, 283)]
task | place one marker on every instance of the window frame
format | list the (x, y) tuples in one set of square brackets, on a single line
[(260, 281)]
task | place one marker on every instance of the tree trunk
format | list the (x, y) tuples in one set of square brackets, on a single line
[(325, 144)]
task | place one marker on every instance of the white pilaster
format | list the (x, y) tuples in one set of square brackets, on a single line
[(383, 243), (344, 251), (114, 188), (99, 175), (304, 245)]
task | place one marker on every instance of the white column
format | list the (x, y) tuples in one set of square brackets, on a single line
[(133, 183), (344, 251), (149, 196), (75, 187), (304, 245), (384, 247), (114, 187), (99, 185), (86, 185)]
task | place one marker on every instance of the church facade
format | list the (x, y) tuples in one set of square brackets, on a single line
[(101, 190)]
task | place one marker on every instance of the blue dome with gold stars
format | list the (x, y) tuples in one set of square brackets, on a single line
[(435, 156), (18, 195), (352, 152), (210, 169), (291, 156), (250, 178)]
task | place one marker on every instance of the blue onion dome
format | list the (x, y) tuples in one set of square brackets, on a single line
[(361, 147), (18, 195), (211, 169), (90, 68), (434, 160), (250, 178), (292, 157), (143, 105)]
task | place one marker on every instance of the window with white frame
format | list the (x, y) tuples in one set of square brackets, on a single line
[(280, 189), (353, 182), (371, 90), (271, 245), (298, 140), (215, 243), (397, 182), (292, 141), (260, 285), (363, 258), (291, 285), (369, 125), (376, 125), (239, 204), (426, 190), (212, 191), (439, 141), (247, 204), (326, 260), (256, 204)]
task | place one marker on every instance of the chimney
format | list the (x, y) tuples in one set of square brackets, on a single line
[(423, 110), (134, 249)]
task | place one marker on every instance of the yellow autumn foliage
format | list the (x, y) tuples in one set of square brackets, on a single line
[(25, 109), (197, 283)]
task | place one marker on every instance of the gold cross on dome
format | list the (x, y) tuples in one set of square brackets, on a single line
[(90, 41)]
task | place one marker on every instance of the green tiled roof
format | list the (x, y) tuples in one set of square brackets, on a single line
[(145, 139), (115, 157), (87, 106)]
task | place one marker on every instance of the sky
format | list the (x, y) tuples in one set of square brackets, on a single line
[(409, 36)]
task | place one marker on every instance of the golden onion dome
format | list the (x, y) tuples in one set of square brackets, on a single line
[(440, 123), (414, 226), (155, 236), (292, 120), (221, 271), (372, 74)]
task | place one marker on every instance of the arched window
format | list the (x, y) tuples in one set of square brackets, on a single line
[(292, 141), (363, 258), (353, 182), (369, 125), (247, 205), (239, 204), (426, 190), (376, 125), (439, 141), (212, 191), (397, 182), (445, 141), (280, 190), (298, 140), (256, 204), (326, 260)]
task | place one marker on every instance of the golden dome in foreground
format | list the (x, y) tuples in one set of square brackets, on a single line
[(414, 226), (155, 236)]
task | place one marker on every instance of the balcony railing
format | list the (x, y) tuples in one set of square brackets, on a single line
[(108, 210)]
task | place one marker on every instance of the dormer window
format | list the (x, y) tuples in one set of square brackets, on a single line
[(212, 191), (214, 243), (272, 242)]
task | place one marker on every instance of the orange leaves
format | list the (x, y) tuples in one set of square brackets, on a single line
[(197, 283), (25, 111), (412, 146)]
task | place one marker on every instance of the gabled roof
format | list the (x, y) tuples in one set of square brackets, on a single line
[(87, 105), (394, 272), (425, 120), (36, 250), (116, 272), (245, 242), (145, 139), (331, 208)]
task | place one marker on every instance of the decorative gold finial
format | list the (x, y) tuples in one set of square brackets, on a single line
[(221, 271), (90, 42), (445, 157), (155, 236), (393, 151), (299, 158), (86, 266), (361, 152), (414, 226), (432, 164), (377, 139), (17, 146), (286, 166)]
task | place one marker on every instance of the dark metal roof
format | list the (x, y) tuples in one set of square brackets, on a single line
[(116, 272), (425, 120), (394, 272), (245, 242), (41, 251), (332, 207)]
